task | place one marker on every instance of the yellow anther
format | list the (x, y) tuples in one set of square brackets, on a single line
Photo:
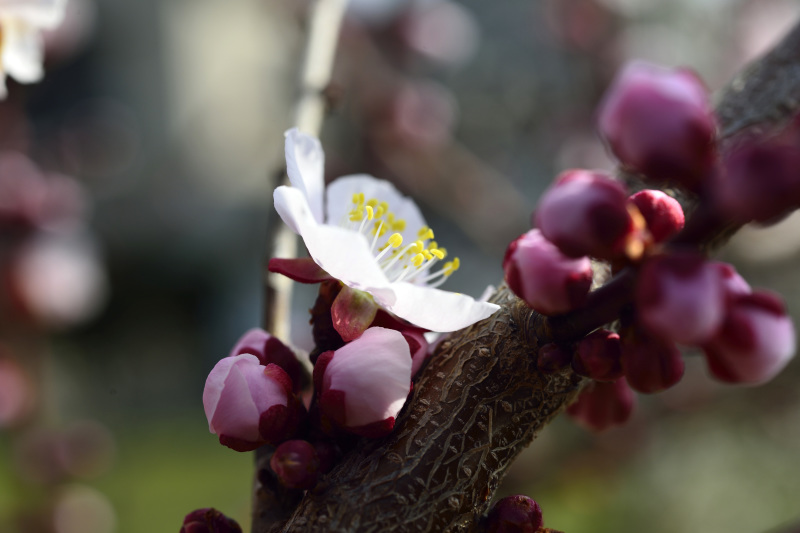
[(380, 211), (370, 212), (379, 226), (426, 235), (438, 254), (356, 215), (358, 198), (418, 259), (443, 250), (398, 225), (419, 246), (384, 205), (428, 256), (395, 240), (452, 266), (422, 231), (432, 245), (372, 202)]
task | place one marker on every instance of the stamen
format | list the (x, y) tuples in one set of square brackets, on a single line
[(370, 212), (393, 242)]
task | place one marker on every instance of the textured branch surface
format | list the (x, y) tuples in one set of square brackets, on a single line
[(480, 400), (479, 403)]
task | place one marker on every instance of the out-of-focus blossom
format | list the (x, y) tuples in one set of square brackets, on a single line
[(16, 391), (58, 281), (546, 279), (597, 356), (248, 404), (680, 297), (296, 464), (514, 514), (209, 520), (733, 284), (603, 404), (372, 239), (651, 364), (82, 509), (659, 122), (443, 31), (421, 114), (363, 385), (662, 213), (21, 41), (756, 341), (586, 213)]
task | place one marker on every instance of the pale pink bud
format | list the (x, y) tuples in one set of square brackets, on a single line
[(547, 280), (514, 514), (269, 349), (248, 404), (603, 404), (597, 356), (586, 213), (756, 341), (760, 181), (733, 284), (296, 464), (662, 213), (680, 297), (659, 122), (651, 364), (363, 385), (209, 520)]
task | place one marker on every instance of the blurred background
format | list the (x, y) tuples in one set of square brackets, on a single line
[(149, 148)]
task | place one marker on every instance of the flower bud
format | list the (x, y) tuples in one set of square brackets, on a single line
[(296, 464), (248, 404), (651, 364), (586, 213), (209, 520), (680, 297), (552, 358), (363, 385), (662, 213), (733, 285), (756, 341), (548, 281), (659, 122), (603, 404), (269, 349), (759, 181), (514, 514), (598, 356)]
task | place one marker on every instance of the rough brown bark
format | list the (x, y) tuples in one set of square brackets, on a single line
[(480, 400)]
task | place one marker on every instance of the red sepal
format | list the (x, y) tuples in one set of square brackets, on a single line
[(302, 270), (239, 445)]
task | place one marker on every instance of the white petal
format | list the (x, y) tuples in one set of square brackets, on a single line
[(41, 13), (340, 196), (23, 50), (305, 165), (437, 310), (292, 206), (374, 372)]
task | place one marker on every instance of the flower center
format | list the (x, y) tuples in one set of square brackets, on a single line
[(412, 262)]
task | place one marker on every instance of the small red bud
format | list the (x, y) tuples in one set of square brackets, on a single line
[(662, 213), (296, 464), (209, 520), (514, 514), (651, 364), (598, 356), (603, 404)]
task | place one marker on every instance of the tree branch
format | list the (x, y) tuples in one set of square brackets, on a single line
[(481, 399)]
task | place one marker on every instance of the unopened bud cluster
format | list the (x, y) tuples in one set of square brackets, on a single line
[(659, 122)]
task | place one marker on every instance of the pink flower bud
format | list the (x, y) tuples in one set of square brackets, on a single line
[(756, 341), (733, 285), (586, 213), (553, 358), (514, 514), (659, 122), (248, 404), (598, 356), (296, 464), (548, 281), (662, 213), (603, 404), (269, 349), (759, 181), (209, 520), (680, 297), (363, 385), (651, 364)]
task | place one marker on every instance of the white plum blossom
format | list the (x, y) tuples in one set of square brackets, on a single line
[(21, 41), (364, 233)]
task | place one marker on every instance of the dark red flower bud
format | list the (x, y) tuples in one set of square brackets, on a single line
[(598, 356), (586, 213), (514, 514), (659, 122), (603, 404), (662, 213), (296, 464), (209, 520), (546, 279), (651, 364)]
